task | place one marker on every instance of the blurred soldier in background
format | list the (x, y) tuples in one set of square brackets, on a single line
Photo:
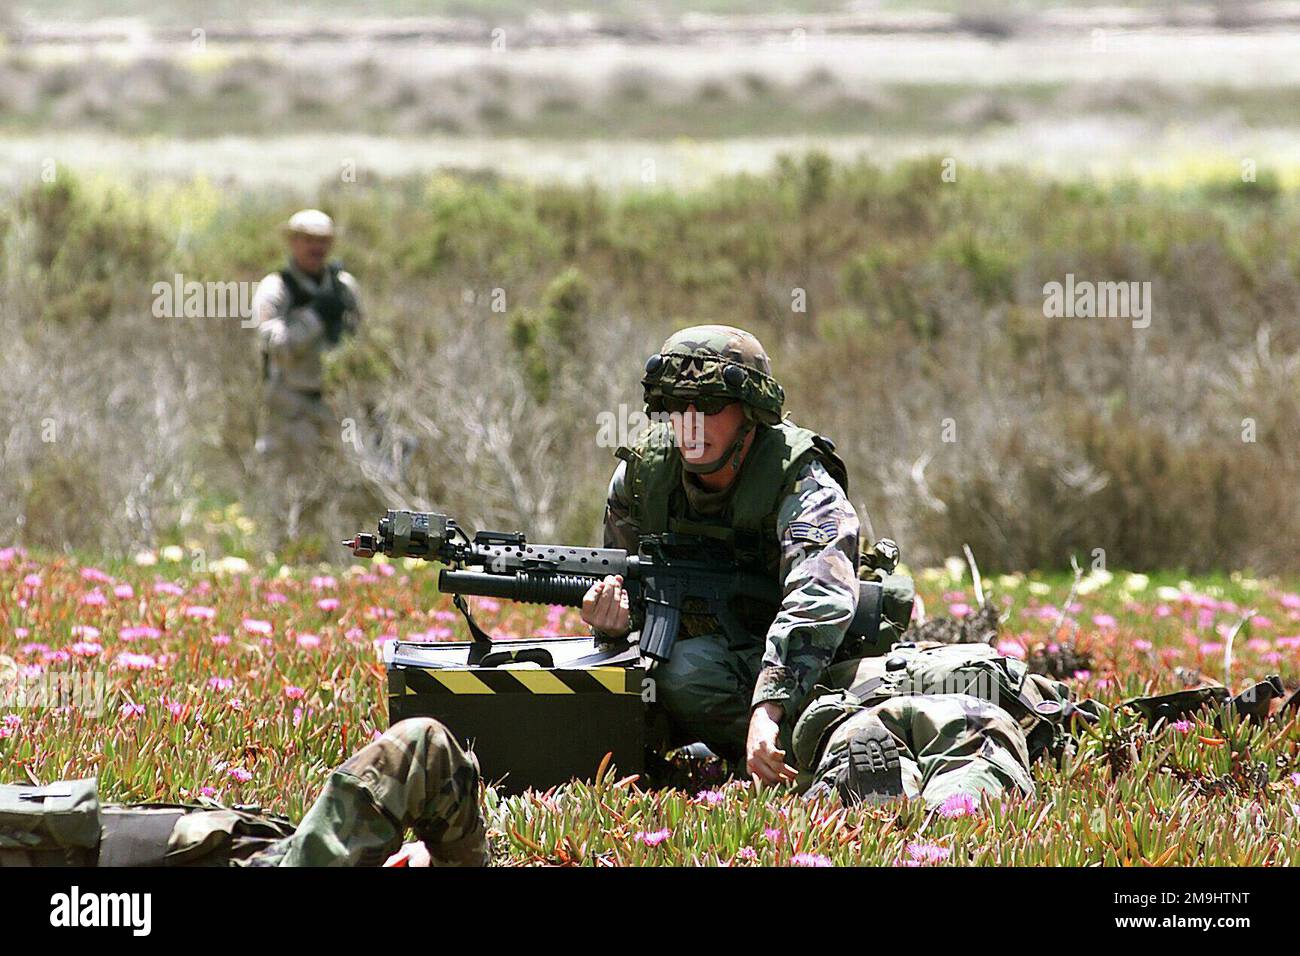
[(301, 312)]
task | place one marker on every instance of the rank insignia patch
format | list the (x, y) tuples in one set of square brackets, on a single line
[(820, 533)]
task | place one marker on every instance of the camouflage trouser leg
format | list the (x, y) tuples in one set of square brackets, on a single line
[(296, 427), (947, 744), (705, 686), (415, 776)]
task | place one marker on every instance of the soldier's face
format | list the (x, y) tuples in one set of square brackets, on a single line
[(310, 252), (702, 438)]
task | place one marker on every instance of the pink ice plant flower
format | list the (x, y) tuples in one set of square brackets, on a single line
[(136, 632), (958, 805), (131, 711), (921, 853), (94, 598), (254, 626), (810, 859), (135, 662), (653, 837), (328, 604)]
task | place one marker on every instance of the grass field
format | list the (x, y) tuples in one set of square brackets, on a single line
[(249, 687)]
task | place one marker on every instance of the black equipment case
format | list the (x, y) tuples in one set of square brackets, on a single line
[(536, 712)]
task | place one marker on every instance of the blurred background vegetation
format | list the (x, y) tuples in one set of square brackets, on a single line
[(506, 312), (924, 304)]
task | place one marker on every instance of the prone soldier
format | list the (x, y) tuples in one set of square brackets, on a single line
[(415, 776)]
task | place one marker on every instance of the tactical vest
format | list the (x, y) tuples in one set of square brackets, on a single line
[(747, 527), (329, 301)]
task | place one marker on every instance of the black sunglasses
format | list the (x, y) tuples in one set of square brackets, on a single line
[(704, 404)]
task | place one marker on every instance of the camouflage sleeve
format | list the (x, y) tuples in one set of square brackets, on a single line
[(818, 530), (278, 329), (620, 532), (352, 314)]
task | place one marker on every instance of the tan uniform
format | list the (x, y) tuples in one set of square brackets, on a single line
[(292, 341)]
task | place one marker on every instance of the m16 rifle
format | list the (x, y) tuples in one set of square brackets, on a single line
[(669, 574)]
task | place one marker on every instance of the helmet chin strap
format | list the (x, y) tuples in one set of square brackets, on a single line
[(731, 455)]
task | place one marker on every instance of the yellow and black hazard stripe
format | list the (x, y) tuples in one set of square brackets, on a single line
[(488, 680)]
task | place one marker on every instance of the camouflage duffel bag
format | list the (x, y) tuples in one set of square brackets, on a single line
[(63, 824), (54, 825)]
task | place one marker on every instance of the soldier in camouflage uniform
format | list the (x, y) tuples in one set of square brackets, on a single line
[(771, 493), (416, 776), (932, 720), (301, 312)]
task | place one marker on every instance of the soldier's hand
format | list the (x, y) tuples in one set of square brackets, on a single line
[(765, 760), (605, 606), (411, 854)]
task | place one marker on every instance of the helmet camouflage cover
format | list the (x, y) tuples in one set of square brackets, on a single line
[(709, 360)]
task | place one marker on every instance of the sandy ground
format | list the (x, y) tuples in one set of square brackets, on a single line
[(1059, 145), (1197, 56), (1066, 148)]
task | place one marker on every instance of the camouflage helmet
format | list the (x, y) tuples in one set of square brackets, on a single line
[(819, 718), (714, 360)]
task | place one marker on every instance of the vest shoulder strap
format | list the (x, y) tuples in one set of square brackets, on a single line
[(652, 474)]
